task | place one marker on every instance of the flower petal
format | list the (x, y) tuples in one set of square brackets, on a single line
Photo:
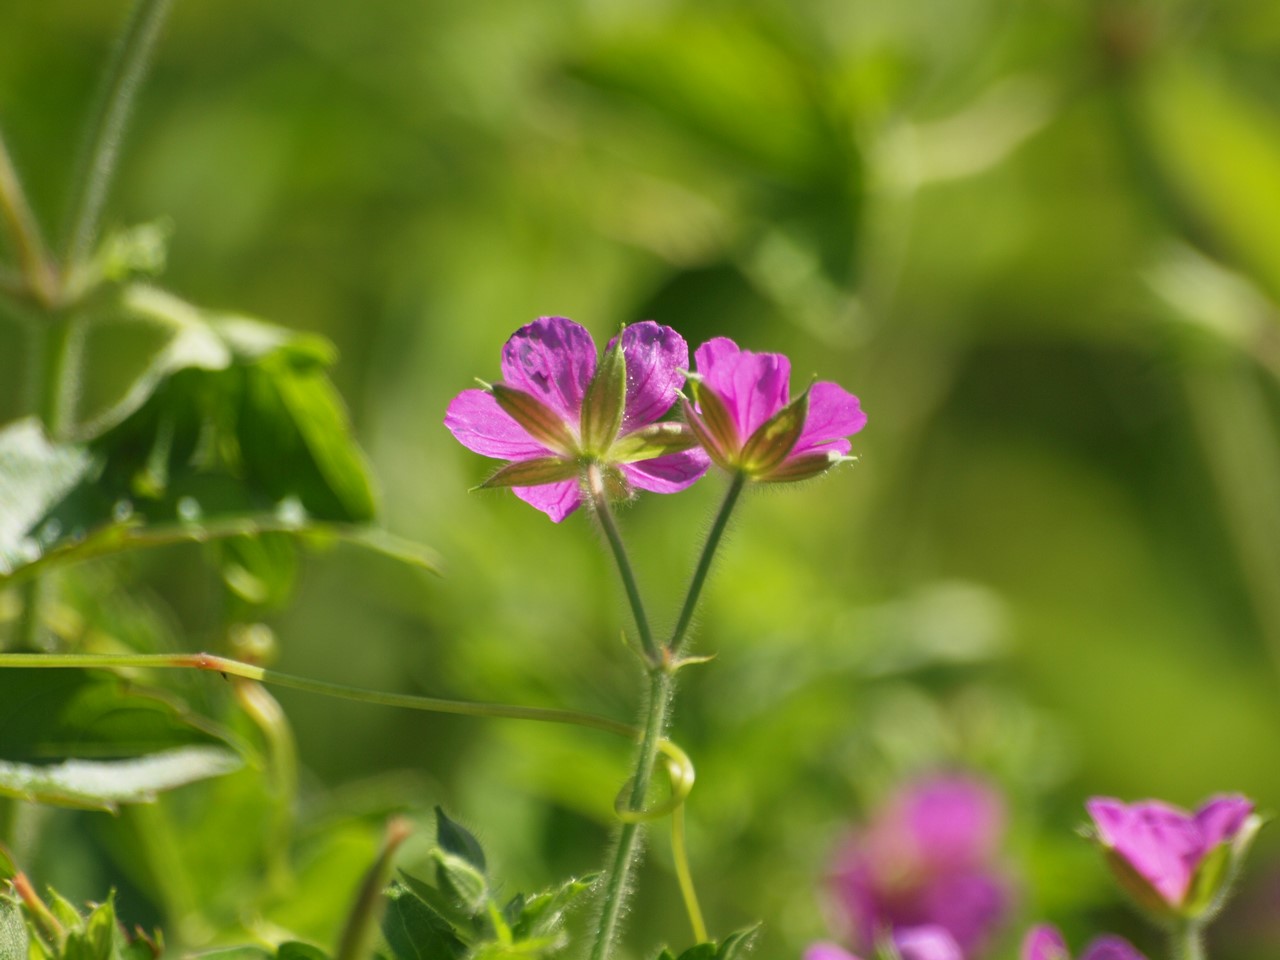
[(483, 427), (929, 942), (1162, 843), (656, 355), (834, 414), (1044, 943), (667, 474), (552, 358), (556, 500), (827, 951), (1111, 948), (1220, 818), (754, 386)]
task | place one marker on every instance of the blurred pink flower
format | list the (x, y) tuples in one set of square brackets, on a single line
[(928, 858), (1163, 845), (1046, 943), (912, 943)]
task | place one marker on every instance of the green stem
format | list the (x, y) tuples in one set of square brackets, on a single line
[(1187, 941), (718, 528), (618, 883), (37, 271), (106, 131), (235, 668), (599, 500)]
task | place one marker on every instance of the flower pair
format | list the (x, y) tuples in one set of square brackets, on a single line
[(558, 411)]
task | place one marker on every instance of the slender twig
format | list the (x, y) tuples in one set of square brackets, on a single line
[(33, 259), (106, 131), (237, 668), (599, 501)]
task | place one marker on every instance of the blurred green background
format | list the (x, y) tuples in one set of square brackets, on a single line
[(1041, 241)]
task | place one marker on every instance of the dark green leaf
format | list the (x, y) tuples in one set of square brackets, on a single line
[(297, 950), (449, 907), (416, 932), (456, 839)]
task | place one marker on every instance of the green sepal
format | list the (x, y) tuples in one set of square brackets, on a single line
[(1215, 878), (539, 421), (605, 401), (541, 914), (531, 473), (454, 838), (1138, 888), (804, 467), (655, 440), (714, 425), (460, 879), (775, 438)]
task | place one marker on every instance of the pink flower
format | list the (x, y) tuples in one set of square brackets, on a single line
[(1157, 850), (1046, 943), (744, 417), (912, 943), (927, 859), (557, 411)]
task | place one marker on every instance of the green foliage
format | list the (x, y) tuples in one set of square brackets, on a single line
[(84, 739), (733, 947), (35, 930), (459, 916)]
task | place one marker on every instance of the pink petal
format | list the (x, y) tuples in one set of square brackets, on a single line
[(930, 942), (556, 500), (834, 414), (1044, 943), (655, 356), (669, 474), (754, 386), (1220, 818), (827, 951), (1111, 948), (483, 427), (952, 822), (1160, 842), (554, 359)]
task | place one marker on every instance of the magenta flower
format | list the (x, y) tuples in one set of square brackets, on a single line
[(744, 418), (557, 411), (1046, 943), (911, 943), (927, 859), (1158, 851)]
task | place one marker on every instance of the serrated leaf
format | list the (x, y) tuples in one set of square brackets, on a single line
[(414, 931)]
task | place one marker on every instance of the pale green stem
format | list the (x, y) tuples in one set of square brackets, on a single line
[(106, 131), (680, 857), (599, 500), (1187, 941), (236, 668), (282, 772)]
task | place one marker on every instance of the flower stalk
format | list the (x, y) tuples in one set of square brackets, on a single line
[(1187, 941)]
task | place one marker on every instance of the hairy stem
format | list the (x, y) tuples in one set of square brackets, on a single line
[(700, 572), (599, 501), (1187, 941), (106, 130)]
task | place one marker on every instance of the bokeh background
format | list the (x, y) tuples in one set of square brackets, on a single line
[(1041, 241)]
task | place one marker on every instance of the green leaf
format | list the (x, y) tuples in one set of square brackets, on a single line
[(450, 908), (456, 839), (297, 950), (416, 932), (701, 951), (76, 738), (13, 931), (542, 913), (459, 878), (738, 943)]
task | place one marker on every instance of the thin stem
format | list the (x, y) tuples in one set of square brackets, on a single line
[(603, 513), (28, 243), (1187, 941), (699, 579), (618, 882), (236, 668), (106, 131), (680, 857)]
